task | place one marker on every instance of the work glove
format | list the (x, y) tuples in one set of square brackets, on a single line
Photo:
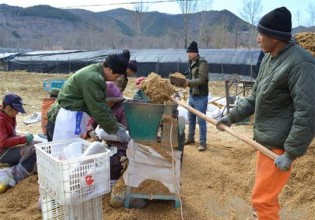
[(121, 125), (283, 162), (29, 138), (186, 83), (93, 135), (139, 81), (122, 135), (224, 120)]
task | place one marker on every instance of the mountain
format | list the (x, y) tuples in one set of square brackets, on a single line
[(44, 27)]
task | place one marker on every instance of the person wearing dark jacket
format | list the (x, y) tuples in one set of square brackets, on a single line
[(83, 95), (122, 80), (283, 101), (198, 94), (15, 150)]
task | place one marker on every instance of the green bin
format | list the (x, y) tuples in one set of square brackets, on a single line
[(143, 119)]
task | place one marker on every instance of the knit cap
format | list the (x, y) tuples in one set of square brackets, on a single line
[(276, 24), (118, 62), (113, 92), (192, 47), (132, 65)]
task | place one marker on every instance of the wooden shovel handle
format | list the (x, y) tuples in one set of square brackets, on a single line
[(248, 141)]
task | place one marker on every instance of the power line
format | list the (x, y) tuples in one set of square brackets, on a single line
[(121, 3)]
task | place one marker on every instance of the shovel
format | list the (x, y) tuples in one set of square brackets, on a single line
[(248, 141)]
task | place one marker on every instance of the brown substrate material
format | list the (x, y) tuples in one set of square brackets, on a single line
[(215, 184), (157, 89), (178, 75), (306, 40)]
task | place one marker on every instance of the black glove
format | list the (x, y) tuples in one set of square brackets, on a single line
[(283, 162), (122, 135), (224, 120)]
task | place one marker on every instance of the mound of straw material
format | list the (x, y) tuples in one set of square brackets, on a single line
[(306, 40), (157, 89)]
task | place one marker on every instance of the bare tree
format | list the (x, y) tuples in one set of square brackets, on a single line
[(297, 17), (311, 12), (139, 10), (221, 34), (187, 7), (250, 12), (207, 36), (204, 6)]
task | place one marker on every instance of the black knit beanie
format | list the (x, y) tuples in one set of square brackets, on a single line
[(276, 24), (118, 62), (132, 65), (192, 47)]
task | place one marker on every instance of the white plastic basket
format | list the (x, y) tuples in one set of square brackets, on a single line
[(88, 210), (72, 181)]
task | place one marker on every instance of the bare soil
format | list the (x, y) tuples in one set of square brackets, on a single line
[(216, 184)]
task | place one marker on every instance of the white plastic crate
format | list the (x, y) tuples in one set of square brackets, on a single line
[(88, 210), (72, 181)]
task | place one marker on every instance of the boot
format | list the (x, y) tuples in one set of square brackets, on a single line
[(202, 147), (189, 141), (19, 173)]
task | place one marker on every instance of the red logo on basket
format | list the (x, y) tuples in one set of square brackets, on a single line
[(89, 180)]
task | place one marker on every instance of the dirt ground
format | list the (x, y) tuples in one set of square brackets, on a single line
[(216, 184)]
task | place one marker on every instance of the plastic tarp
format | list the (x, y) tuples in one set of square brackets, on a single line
[(56, 61), (146, 163), (7, 55), (160, 61), (4, 58)]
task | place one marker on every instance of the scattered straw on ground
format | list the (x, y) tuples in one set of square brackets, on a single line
[(157, 89), (215, 184)]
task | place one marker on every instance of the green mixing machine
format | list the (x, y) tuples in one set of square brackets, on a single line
[(158, 127)]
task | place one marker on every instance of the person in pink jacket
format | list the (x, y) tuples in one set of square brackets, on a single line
[(15, 150)]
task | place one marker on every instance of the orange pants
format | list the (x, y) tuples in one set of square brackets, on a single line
[(46, 103), (269, 182)]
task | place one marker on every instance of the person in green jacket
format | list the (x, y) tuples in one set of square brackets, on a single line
[(198, 94), (83, 95), (283, 101)]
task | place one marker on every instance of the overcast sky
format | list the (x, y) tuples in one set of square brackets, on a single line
[(171, 7)]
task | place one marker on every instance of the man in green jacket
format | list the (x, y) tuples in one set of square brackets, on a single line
[(83, 95), (198, 94), (283, 100)]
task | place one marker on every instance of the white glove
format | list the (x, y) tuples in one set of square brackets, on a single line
[(93, 135), (122, 135)]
